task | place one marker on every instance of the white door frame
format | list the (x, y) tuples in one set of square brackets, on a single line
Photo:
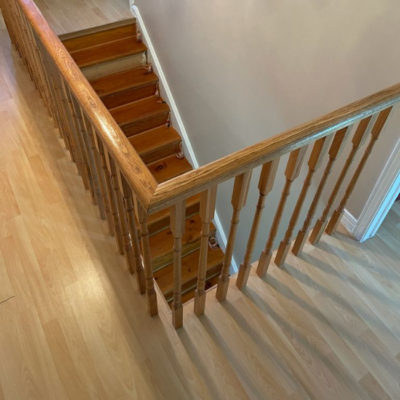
[(381, 199)]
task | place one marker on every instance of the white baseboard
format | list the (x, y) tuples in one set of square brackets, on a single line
[(176, 119), (349, 222)]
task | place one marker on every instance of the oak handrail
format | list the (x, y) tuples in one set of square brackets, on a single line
[(153, 196), (126, 193), (195, 181), (128, 160)]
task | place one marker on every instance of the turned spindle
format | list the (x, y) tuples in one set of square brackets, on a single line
[(317, 154), (207, 208), (376, 130), (291, 173), (359, 137), (238, 201), (265, 184), (339, 139)]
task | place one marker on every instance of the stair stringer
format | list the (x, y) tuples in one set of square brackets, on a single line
[(176, 119)]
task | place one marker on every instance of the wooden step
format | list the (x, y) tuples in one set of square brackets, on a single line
[(168, 168), (161, 244), (189, 294), (125, 86), (108, 51), (161, 219), (88, 38), (141, 115), (157, 143), (164, 276), (113, 66)]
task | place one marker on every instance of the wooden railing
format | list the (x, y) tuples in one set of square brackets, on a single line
[(127, 194)]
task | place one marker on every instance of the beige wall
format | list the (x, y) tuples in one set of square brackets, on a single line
[(243, 71)]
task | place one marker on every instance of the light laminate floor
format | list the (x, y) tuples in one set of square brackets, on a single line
[(72, 325)]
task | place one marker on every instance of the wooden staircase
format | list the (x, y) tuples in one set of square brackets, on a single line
[(115, 63)]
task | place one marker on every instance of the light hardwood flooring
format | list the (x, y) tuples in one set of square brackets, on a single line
[(66, 16), (73, 326)]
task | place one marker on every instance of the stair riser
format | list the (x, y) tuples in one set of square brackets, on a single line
[(163, 223), (167, 258), (191, 285), (188, 247), (161, 152), (146, 123), (117, 65), (128, 95)]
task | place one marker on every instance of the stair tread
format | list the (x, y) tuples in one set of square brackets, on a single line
[(139, 109), (164, 276), (123, 80), (161, 219), (132, 98), (96, 38), (168, 168), (156, 143), (161, 244), (108, 51)]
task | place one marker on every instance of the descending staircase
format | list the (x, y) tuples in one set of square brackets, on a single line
[(115, 63)]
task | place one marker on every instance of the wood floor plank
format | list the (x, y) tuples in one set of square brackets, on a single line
[(73, 326)]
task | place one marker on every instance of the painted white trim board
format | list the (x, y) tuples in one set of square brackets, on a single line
[(177, 121), (379, 202)]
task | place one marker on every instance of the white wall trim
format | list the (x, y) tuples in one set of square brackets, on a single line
[(164, 88), (381, 199), (177, 121), (349, 222)]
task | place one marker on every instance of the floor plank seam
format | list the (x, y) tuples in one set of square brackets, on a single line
[(5, 301)]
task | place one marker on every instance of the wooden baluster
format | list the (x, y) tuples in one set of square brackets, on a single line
[(177, 228), (59, 109), (76, 154), (238, 201), (122, 217), (97, 170), (41, 56), (55, 83), (317, 154), (207, 209), (23, 36), (148, 269), (339, 139), (82, 167), (358, 138), (64, 129), (292, 172), (19, 32), (85, 151), (40, 68), (116, 227), (113, 201), (38, 64), (94, 170), (92, 136), (12, 25), (265, 184), (133, 230), (376, 130), (63, 107), (9, 21), (69, 126)]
